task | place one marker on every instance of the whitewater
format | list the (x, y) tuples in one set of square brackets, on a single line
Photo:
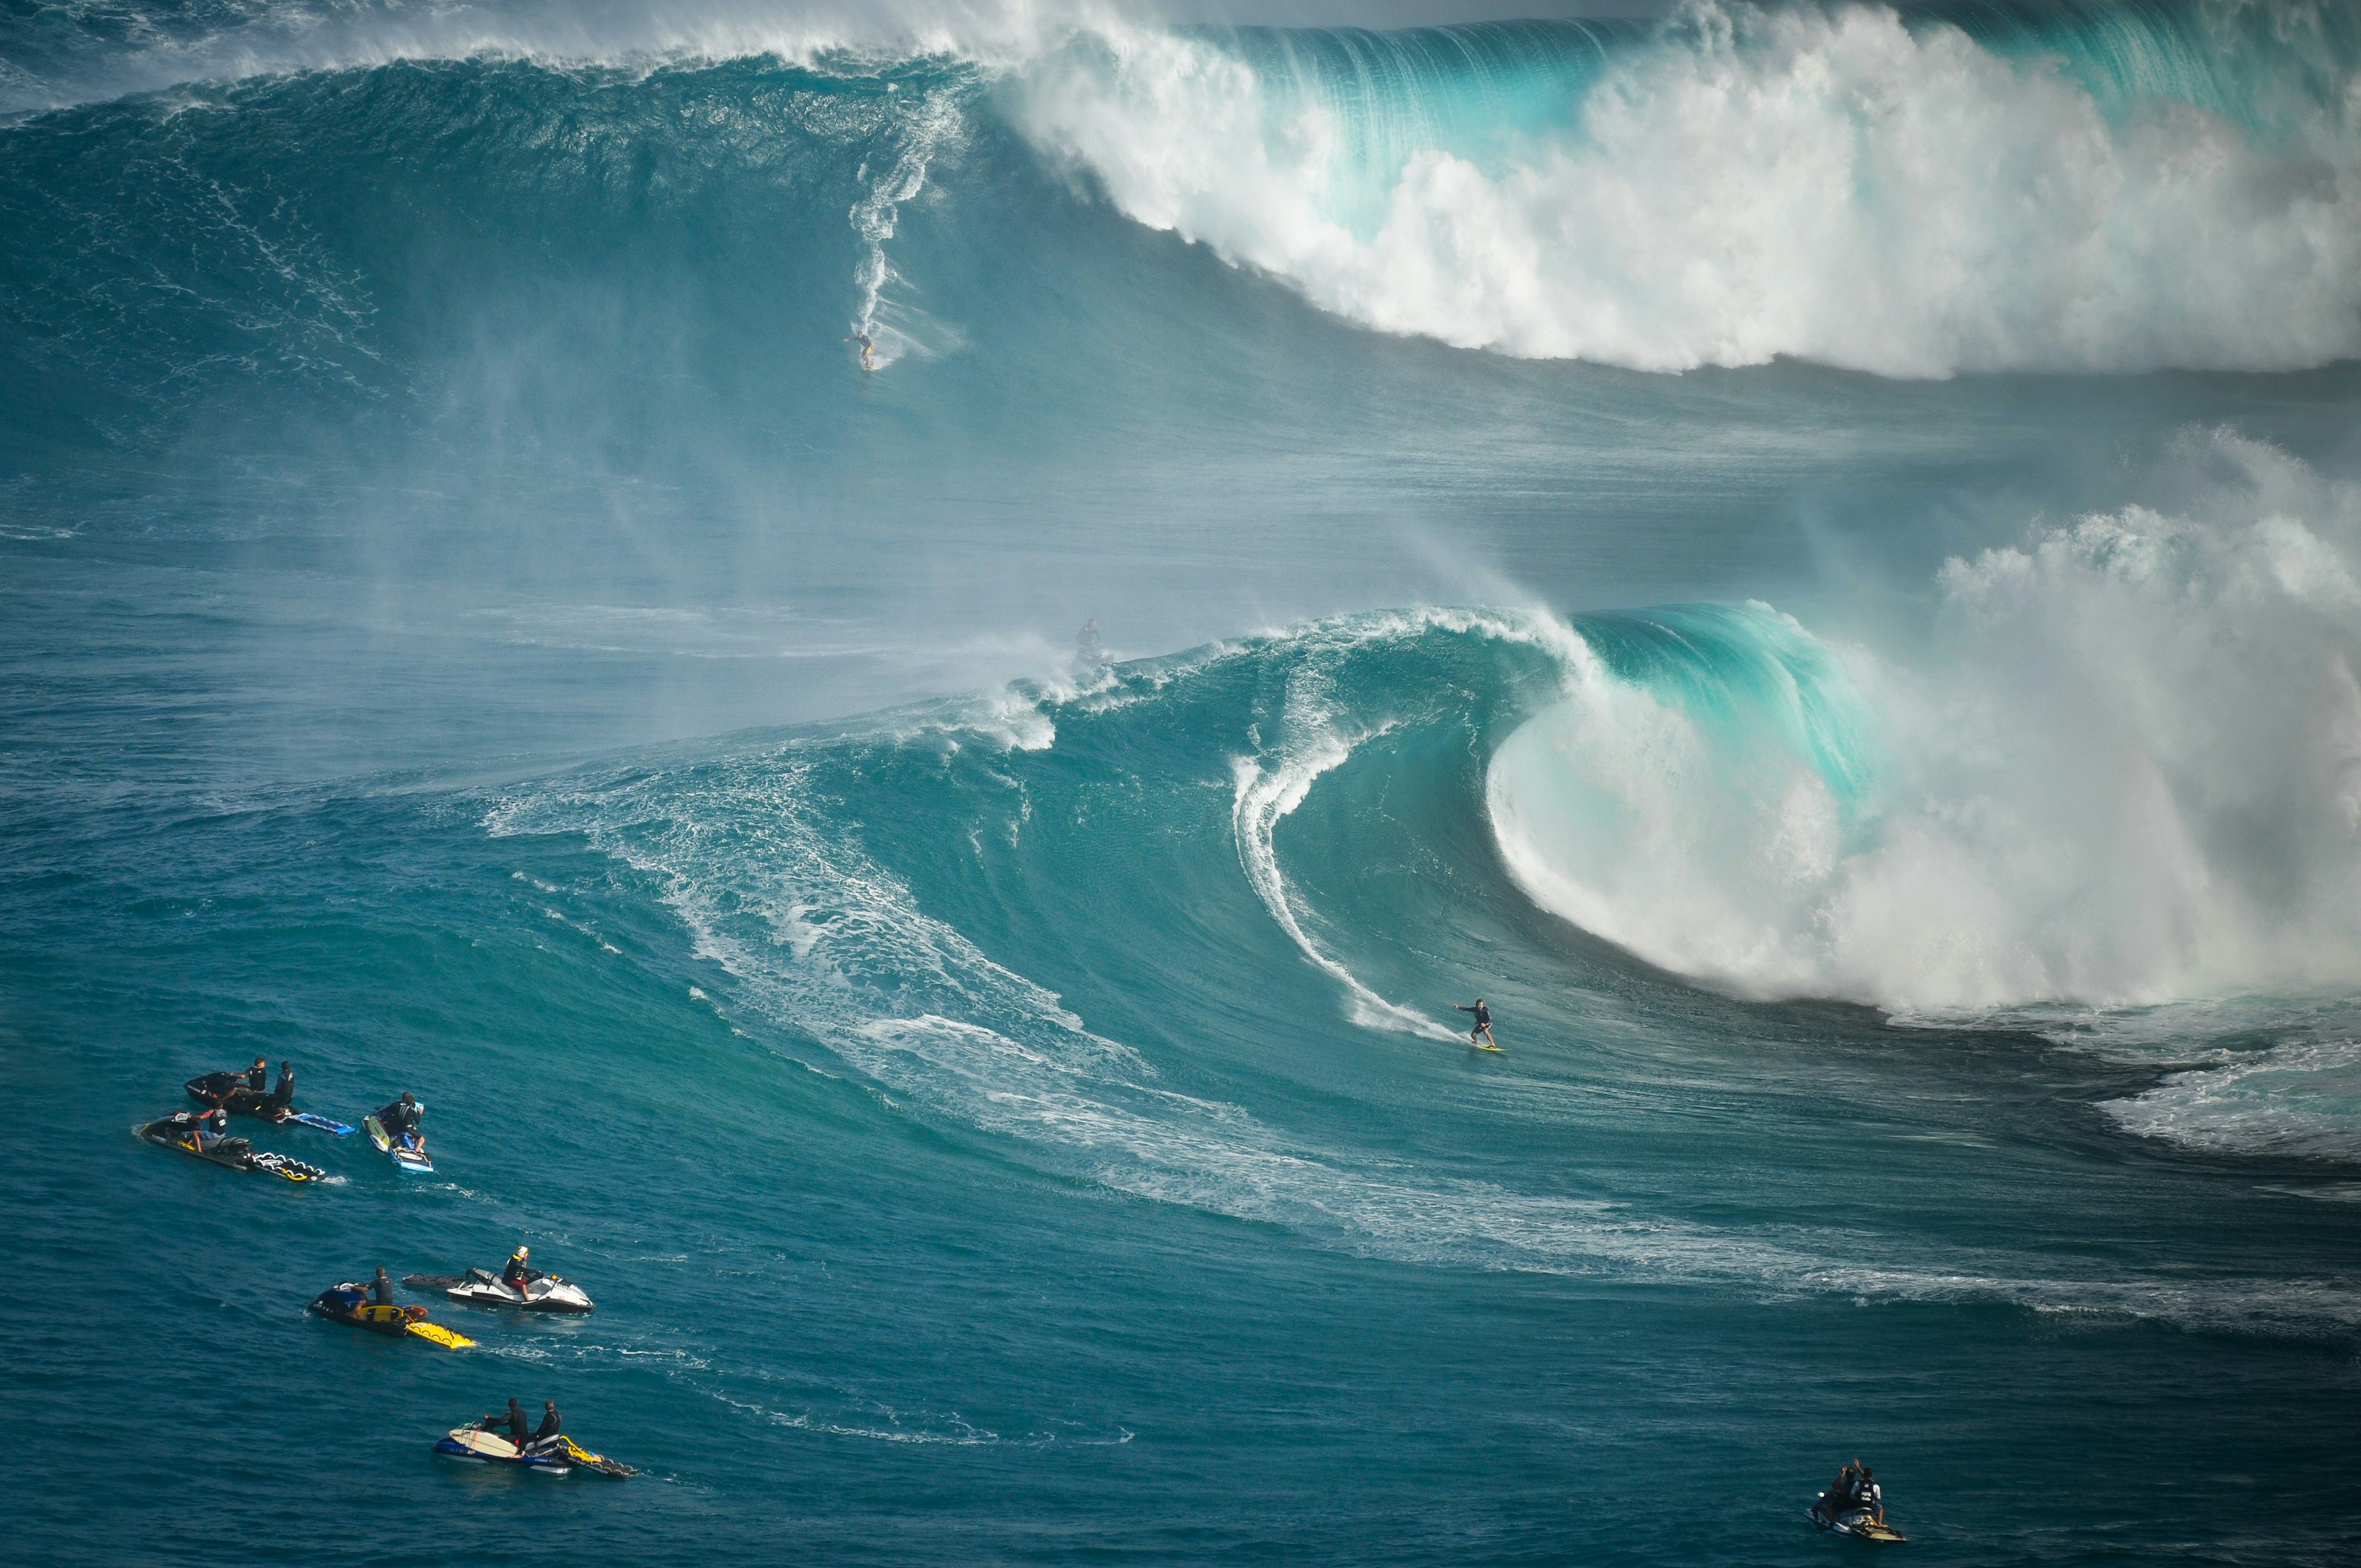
[(1809, 554)]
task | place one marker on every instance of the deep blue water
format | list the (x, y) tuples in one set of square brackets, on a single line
[(1854, 658)]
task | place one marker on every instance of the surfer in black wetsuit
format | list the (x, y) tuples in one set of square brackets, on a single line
[(868, 349), (381, 1288), (520, 1425), (282, 1099), (1482, 1031), (547, 1430), (399, 1119)]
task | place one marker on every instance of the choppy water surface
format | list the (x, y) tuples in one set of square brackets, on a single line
[(1807, 556)]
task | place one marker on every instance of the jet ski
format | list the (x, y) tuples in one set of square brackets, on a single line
[(407, 1152), (349, 1303), (557, 1455), (482, 1288), (1842, 1516), (179, 1131), (231, 1093), (474, 1442)]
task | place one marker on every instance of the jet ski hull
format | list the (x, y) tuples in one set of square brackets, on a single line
[(1856, 1523), (177, 1132), (490, 1448), (408, 1160), (348, 1304), (482, 1288)]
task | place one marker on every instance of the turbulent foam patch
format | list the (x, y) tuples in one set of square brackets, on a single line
[(2302, 1097), (1841, 184), (2125, 771)]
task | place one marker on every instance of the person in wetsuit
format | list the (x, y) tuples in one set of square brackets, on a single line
[(868, 349), (381, 1288), (282, 1099), (1483, 1028), (399, 1119), (546, 1432), (520, 1425)]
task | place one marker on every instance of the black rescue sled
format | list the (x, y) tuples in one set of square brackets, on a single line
[(179, 1131)]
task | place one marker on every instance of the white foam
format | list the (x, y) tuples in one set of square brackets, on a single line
[(933, 126), (1831, 184), (2302, 1097), (2124, 770)]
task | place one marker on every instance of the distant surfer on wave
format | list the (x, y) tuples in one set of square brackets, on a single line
[(868, 349), (1481, 1035)]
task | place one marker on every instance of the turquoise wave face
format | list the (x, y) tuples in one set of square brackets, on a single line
[(1491, 93), (2269, 68), (1750, 677)]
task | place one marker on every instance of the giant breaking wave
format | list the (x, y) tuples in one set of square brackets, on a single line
[(2123, 770), (1911, 193)]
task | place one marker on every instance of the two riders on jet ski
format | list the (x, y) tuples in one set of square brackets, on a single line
[(528, 1438), (242, 1093), (1855, 1492)]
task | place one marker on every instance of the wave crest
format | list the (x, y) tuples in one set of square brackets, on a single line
[(1846, 185)]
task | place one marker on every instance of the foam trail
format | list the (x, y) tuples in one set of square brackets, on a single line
[(1264, 797), (1314, 744), (934, 126)]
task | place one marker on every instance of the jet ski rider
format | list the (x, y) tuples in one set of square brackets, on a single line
[(1840, 1490), (520, 1425), (546, 1432), (381, 1288), (211, 1128), (400, 1120), (516, 1275), (257, 1077), (282, 1099)]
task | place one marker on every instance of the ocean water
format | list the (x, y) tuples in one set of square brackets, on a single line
[(1809, 555)]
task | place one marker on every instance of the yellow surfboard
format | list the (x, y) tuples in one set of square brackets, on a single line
[(441, 1335)]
